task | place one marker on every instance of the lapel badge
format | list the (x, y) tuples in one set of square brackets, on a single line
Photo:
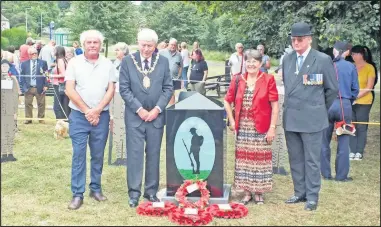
[(308, 66)]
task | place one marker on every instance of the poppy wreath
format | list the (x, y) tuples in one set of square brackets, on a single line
[(238, 211), (179, 217), (147, 209), (182, 192)]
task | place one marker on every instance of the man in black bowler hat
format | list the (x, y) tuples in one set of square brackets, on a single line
[(310, 88)]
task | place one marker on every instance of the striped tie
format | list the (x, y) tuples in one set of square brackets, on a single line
[(34, 70)]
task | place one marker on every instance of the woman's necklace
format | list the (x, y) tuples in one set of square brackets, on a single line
[(252, 84)]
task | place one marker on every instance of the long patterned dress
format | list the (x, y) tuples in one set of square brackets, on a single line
[(253, 157)]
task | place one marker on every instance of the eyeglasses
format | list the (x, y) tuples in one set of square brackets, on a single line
[(33, 53), (299, 39), (240, 47), (251, 62)]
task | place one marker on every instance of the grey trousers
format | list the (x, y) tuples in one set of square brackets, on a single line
[(360, 113), (136, 137), (199, 87), (304, 155)]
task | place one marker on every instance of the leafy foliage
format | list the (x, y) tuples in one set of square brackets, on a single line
[(116, 20), (16, 36), (4, 42), (19, 11)]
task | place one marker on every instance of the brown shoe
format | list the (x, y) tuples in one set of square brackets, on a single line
[(41, 121), (27, 122), (98, 196), (75, 203)]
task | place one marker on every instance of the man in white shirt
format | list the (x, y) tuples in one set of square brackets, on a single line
[(90, 85), (47, 53), (236, 60)]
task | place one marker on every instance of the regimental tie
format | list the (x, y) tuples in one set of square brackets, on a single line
[(34, 70), (146, 80), (300, 62)]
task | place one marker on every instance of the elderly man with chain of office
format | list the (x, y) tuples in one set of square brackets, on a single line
[(145, 85), (310, 89)]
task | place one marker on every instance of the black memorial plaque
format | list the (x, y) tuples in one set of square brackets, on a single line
[(195, 146)]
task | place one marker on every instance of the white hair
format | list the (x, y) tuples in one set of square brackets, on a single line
[(93, 34), (123, 47), (238, 44), (147, 34), (173, 40), (69, 50)]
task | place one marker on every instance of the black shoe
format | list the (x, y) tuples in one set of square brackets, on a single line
[(348, 179), (75, 203), (98, 196), (295, 199), (151, 198), (133, 202), (310, 205), (327, 178)]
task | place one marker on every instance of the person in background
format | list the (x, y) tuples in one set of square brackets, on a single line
[(363, 103), (16, 58), (23, 50), (236, 61), (38, 46), (196, 46), (185, 59), (121, 50), (199, 72), (61, 101), (348, 90), (175, 65), (77, 48), (89, 118), (34, 85), (70, 53), (265, 59), (256, 114), (47, 54)]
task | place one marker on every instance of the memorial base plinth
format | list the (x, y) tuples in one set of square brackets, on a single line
[(162, 194), (8, 158)]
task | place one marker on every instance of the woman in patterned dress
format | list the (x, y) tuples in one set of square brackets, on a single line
[(256, 113)]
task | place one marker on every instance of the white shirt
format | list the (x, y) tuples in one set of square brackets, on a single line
[(143, 58), (185, 57), (235, 61), (304, 57), (91, 79)]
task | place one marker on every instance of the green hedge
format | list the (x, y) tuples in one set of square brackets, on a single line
[(4, 43), (16, 36)]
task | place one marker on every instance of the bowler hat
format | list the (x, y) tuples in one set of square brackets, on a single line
[(192, 130), (301, 29), (341, 46)]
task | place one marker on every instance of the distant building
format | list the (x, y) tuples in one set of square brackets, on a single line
[(4, 23)]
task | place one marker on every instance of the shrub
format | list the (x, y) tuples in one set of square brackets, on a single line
[(16, 36), (4, 43)]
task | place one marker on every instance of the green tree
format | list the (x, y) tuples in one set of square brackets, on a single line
[(116, 20)]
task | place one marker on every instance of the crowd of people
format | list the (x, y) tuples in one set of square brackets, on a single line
[(322, 95)]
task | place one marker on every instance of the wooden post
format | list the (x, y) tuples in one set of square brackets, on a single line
[(106, 50)]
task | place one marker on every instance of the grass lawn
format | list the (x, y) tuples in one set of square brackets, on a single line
[(36, 188)]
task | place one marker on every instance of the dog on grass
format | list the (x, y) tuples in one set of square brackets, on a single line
[(61, 130)]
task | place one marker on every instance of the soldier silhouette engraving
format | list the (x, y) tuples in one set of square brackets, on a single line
[(196, 144)]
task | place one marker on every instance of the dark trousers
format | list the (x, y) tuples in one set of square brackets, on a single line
[(82, 133), (342, 155), (360, 113), (304, 155), (136, 137), (60, 110)]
